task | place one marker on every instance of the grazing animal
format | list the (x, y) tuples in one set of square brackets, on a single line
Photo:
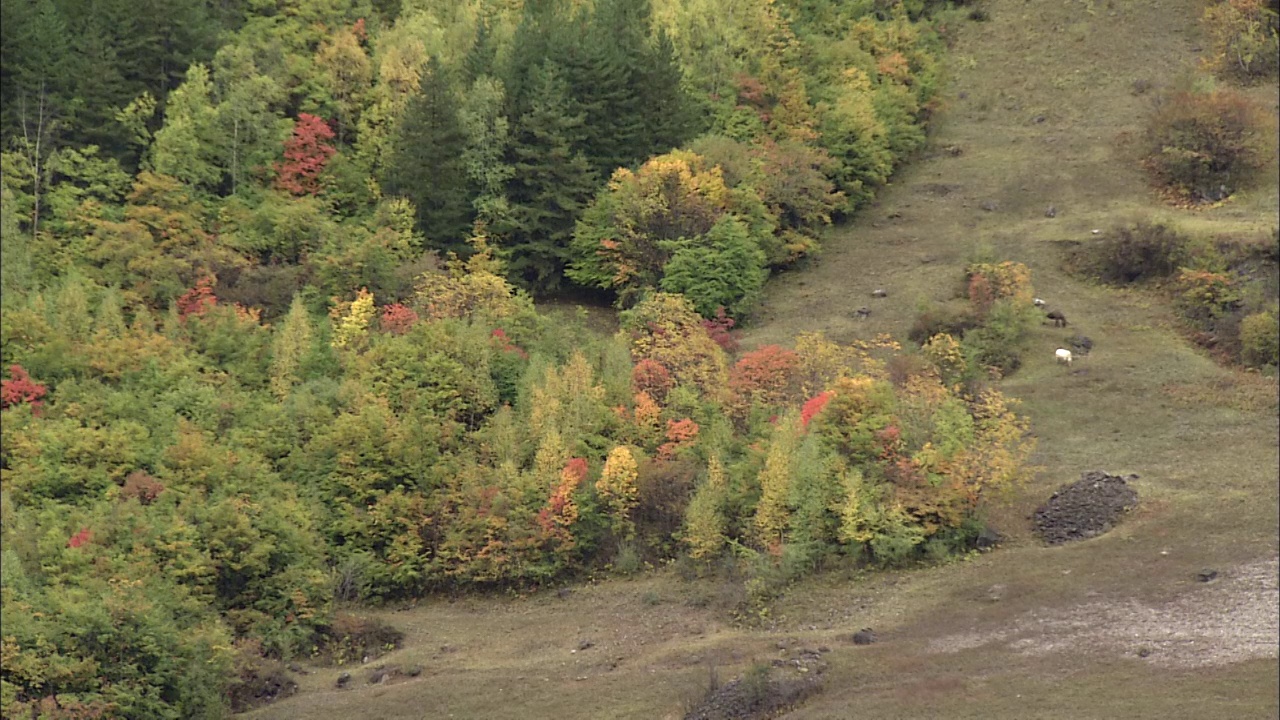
[(1063, 355), (1039, 303), (863, 313), (1059, 320)]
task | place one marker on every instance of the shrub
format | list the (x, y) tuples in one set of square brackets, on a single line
[(1203, 296), (1260, 339), (1142, 251), (1244, 38), (1204, 146), (1002, 338), (724, 269), (949, 319), (351, 638), (663, 490)]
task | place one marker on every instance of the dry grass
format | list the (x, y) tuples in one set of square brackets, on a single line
[(1202, 438)]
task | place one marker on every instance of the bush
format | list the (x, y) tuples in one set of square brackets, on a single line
[(1260, 339), (1000, 341), (1130, 254), (1205, 146), (351, 638), (1244, 38), (950, 319), (1204, 297), (723, 269)]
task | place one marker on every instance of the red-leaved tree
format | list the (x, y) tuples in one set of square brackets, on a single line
[(814, 406), (305, 156), (198, 300), (397, 319), (21, 389)]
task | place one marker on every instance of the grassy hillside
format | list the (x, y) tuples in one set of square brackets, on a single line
[(1040, 111)]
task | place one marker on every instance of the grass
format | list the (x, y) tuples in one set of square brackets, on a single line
[(1203, 439)]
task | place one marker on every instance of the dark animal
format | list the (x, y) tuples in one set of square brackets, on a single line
[(1059, 320), (863, 313)]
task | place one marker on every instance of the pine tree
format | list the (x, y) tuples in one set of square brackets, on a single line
[(551, 184), (426, 164)]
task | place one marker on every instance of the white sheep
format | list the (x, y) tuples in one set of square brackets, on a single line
[(1063, 355), (1039, 303)]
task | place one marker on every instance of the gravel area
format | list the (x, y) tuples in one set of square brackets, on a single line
[(1233, 618)]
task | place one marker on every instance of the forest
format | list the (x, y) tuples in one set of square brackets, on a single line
[(271, 344)]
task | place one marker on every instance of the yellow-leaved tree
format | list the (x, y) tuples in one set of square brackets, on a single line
[(352, 320), (617, 489), (772, 513), (704, 520)]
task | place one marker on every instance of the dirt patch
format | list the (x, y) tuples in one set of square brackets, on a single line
[(1234, 618), (1086, 508)]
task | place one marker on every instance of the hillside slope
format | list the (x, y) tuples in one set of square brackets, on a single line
[(1040, 105)]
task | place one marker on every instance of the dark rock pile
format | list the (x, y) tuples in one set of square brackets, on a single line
[(1086, 508)]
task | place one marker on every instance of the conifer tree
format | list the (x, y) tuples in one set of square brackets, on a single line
[(426, 164), (551, 184)]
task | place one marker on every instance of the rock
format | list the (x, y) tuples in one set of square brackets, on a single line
[(1144, 652), (564, 593), (1038, 119), (988, 538), (879, 293), (1081, 345), (865, 636), (585, 644), (343, 680), (413, 671), (989, 205), (1052, 212), (995, 593), (1206, 575)]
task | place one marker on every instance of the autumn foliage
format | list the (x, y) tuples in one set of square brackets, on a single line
[(305, 155), (20, 389)]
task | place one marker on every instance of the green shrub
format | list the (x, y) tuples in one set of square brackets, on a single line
[(1203, 146), (1260, 339), (725, 268), (1000, 341)]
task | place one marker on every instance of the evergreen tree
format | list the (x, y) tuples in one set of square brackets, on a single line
[(426, 165), (551, 185)]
